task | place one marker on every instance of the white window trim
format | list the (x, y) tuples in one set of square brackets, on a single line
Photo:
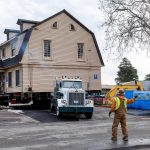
[(13, 49), (51, 56), (11, 79), (3, 50), (83, 59), (19, 78)]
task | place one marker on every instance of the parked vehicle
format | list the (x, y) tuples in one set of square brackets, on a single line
[(70, 98), (4, 99), (98, 99)]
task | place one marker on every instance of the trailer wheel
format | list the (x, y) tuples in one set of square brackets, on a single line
[(88, 115)]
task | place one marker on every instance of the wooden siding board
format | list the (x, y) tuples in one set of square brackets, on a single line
[(77, 21)]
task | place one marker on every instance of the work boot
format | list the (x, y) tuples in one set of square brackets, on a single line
[(125, 138), (114, 139)]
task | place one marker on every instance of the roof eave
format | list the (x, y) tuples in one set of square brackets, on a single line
[(21, 21)]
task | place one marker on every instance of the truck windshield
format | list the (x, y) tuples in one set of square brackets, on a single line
[(72, 84)]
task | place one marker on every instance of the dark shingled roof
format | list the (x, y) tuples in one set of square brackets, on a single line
[(20, 21), (11, 30), (15, 60)]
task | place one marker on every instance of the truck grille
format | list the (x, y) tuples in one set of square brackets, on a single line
[(76, 98)]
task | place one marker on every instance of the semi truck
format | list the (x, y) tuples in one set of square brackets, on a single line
[(70, 98)]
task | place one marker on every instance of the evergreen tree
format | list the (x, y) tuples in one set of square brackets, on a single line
[(147, 77), (126, 72)]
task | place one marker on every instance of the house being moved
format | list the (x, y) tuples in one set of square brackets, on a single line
[(40, 51)]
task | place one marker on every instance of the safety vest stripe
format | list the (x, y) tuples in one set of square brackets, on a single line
[(118, 103)]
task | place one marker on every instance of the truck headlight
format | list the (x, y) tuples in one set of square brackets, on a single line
[(64, 102)]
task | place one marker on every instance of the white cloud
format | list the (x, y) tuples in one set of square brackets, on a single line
[(139, 61), (86, 11)]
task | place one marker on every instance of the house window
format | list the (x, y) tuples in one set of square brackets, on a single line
[(17, 77), (72, 28), (3, 52), (47, 48), (95, 77), (80, 50), (55, 25), (9, 79), (13, 48)]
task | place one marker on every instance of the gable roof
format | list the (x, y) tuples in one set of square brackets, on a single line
[(78, 22), (17, 58)]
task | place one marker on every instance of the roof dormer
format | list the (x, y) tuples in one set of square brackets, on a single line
[(26, 24), (11, 33)]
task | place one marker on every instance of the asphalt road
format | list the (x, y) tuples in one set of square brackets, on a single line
[(42, 130)]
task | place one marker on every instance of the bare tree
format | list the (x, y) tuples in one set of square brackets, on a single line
[(127, 25)]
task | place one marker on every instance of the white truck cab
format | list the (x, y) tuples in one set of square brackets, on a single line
[(69, 98)]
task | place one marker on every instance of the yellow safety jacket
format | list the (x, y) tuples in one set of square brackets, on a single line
[(118, 103)]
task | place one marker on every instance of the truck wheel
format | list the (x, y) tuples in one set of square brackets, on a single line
[(88, 115), (60, 115)]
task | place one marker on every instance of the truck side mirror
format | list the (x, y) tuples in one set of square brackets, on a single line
[(59, 95)]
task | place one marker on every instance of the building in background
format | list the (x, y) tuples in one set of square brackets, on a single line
[(40, 51), (106, 88)]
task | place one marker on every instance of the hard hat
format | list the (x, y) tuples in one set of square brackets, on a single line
[(121, 91)]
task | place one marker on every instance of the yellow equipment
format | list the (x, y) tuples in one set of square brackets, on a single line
[(133, 85)]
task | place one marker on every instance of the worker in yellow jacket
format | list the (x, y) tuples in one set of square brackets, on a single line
[(119, 107)]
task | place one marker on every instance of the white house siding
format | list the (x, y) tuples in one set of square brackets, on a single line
[(64, 55), (11, 34), (42, 79), (27, 26), (13, 88)]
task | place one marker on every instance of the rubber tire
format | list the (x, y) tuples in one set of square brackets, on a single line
[(88, 115), (60, 115)]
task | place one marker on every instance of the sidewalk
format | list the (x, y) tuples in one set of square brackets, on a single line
[(138, 112)]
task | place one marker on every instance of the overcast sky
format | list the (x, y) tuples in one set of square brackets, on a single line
[(86, 11)]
